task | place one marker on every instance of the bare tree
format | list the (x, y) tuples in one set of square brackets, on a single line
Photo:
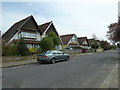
[(94, 36)]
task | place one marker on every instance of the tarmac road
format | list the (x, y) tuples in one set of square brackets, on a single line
[(87, 71)]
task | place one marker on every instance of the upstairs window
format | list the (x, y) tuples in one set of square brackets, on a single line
[(29, 35), (73, 39)]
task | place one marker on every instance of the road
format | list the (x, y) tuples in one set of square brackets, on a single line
[(86, 71)]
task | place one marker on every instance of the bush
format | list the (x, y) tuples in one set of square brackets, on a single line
[(39, 50), (22, 47), (32, 50), (10, 50)]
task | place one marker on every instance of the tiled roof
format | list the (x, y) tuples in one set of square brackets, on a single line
[(13, 29), (25, 24), (91, 41), (66, 38), (43, 27), (82, 39)]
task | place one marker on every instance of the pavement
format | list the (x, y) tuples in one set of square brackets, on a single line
[(110, 82), (18, 63), (25, 62)]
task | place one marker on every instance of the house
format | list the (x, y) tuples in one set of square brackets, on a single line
[(49, 27), (27, 29), (91, 41), (69, 40), (83, 42), (30, 31)]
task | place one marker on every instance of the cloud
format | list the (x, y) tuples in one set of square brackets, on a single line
[(83, 18)]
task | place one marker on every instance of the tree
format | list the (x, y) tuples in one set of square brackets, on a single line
[(22, 47), (39, 50), (46, 44), (94, 36), (54, 38), (114, 32), (105, 45), (95, 44)]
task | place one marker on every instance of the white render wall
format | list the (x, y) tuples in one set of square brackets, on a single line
[(39, 36), (14, 37)]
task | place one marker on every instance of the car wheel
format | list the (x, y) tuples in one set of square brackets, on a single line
[(52, 60), (67, 58)]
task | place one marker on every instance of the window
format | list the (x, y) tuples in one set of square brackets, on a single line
[(29, 35), (54, 52), (59, 52), (73, 39)]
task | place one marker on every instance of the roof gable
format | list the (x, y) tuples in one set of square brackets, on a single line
[(13, 29), (52, 29), (49, 27), (43, 27), (91, 41), (26, 23), (30, 25), (66, 38), (81, 40)]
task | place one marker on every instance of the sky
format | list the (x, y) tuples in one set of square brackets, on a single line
[(82, 17)]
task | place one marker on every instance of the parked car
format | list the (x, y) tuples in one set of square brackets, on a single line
[(68, 48), (52, 56)]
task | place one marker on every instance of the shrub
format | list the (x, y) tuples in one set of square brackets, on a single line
[(22, 47), (39, 50), (10, 50), (32, 50)]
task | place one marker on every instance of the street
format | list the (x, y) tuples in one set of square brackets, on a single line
[(83, 71)]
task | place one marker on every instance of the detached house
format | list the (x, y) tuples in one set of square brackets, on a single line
[(91, 41), (30, 31), (83, 42), (49, 27), (69, 40), (27, 29)]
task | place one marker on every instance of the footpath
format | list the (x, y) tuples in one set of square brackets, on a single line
[(18, 63), (26, 62), (112, 79)]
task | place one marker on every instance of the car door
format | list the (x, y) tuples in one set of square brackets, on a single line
[(61, 55), (56, 55)]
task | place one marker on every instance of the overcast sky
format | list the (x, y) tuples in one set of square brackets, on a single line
[(83, 17)]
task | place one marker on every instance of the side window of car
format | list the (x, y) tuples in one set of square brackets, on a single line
[(55, 52), (59, 52)]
